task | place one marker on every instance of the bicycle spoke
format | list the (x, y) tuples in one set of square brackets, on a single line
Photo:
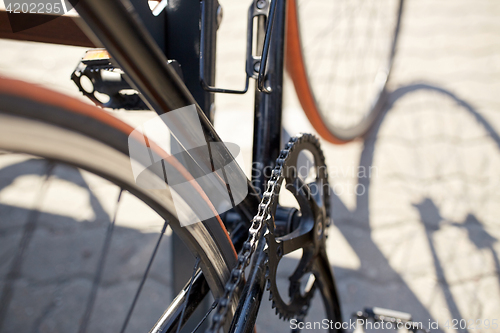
[(29, 230), (214, 305), (100, 267), (75, 278), (143, 280), (171, 316), (195, 268), (347, 53)]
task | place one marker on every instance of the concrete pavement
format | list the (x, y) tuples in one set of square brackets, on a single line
[(420, 234)]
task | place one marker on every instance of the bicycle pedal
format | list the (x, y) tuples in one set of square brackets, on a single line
[(387, 314), (104, 83), (396, 319)]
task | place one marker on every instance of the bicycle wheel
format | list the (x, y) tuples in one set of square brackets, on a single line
[(339, 56), (49, 138)]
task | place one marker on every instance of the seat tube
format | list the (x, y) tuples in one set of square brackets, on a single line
[(268, 106)]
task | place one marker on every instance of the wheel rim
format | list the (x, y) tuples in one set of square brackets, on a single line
[(19, 135), (323, 97)]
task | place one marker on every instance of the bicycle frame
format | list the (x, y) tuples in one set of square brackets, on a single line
[(141, 46), (139, 56), (146, 65)]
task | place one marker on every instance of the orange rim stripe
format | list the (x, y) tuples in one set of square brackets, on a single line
[(296, 69), (46, 96)]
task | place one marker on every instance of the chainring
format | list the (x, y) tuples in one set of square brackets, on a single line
[(310, 234)]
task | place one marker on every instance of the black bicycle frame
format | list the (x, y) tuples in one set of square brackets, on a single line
[(143, 55)]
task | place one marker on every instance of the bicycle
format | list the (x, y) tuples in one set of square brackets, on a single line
[(58, 129)]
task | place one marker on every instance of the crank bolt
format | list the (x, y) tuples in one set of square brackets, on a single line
[(256, 67), (219, 16), (261, 4), (319, 230)]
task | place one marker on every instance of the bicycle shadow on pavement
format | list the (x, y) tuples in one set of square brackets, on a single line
[(380, 246), (60, 259), (478, 235)]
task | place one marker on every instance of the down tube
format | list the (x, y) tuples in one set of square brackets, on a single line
[(119, 29)]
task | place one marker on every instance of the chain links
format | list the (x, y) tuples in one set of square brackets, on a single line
[(299, 301), (258, 223)]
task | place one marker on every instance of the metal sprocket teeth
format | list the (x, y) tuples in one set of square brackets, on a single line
[(299, 303)]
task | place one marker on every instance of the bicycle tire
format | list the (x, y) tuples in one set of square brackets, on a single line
[(326, 92), (46, 124)]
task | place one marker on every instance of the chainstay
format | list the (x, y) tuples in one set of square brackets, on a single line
[(258, 223)]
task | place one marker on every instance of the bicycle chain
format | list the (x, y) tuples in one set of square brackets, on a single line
[(263, 217)]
